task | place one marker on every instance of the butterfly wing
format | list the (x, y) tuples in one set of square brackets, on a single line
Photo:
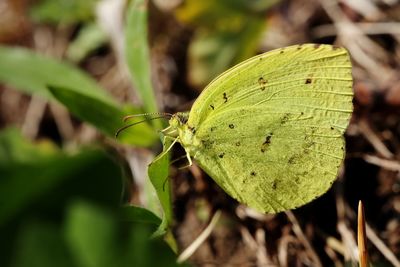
[(270, 128)]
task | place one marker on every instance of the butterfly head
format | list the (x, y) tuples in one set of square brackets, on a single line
[(186, 134), (178, 120)]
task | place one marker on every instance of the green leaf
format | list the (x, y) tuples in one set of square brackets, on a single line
[(145, 252), (211, 53), (138, 55), (89, 38), (41, 244), (23, 181), (139, 215), (31, 73), (64, 11), (90, 233), (61, 210), (226, 33), (104, 116), (94, 237), (36, 74), (14, 148), (159, 176)]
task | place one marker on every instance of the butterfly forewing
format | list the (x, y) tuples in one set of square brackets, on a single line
[(271, 127)]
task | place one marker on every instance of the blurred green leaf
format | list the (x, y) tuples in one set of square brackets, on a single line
[(222, 14), (23, 181), (104, 116), (226, 33), (138, 55), (97, 239), (14, 148), (41, 244), (63, 11), (58, 209), (139, 215), (159, 176), (211, 53), (32, 72), (90, 234), (149, 253), (35, 74), (89, 38)]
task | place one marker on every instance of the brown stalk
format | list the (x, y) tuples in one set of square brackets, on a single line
[(362, 237)]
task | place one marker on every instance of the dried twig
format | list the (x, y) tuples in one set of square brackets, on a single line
[(376, 241), (33, 117), (263, 258), (303, 239), (381, 246), (387, 164), (63, 121), (374, 139), (185, 255), (331, 254), (364, 51), (350, 245), (283, 250), (366, 28)]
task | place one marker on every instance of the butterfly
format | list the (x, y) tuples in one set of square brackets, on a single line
[(269, 131)]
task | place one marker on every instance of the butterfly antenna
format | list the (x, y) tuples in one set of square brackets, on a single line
[(133, 124), (161, 115)]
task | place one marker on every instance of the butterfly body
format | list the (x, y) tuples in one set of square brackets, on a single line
[(270, 130)]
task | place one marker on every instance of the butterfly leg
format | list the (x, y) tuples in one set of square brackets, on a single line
[(162, 154), (166, 129), (189, 160), (167, 132)]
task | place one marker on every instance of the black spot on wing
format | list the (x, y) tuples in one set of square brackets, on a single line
[(308, 81), (212, 107), (285, 118), (225, 97), (266, 143), (207, 144), (268, 139), (292, 159), (262, 82), (231, 126), (221, 155), (274, 184), (253, 173)]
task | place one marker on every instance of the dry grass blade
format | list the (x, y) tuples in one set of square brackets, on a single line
[(377, 242), (362, 237), (185, 255), (303, 239), (387, 164), (382, 247), (374, 139), (33, 117), (366, 52)]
